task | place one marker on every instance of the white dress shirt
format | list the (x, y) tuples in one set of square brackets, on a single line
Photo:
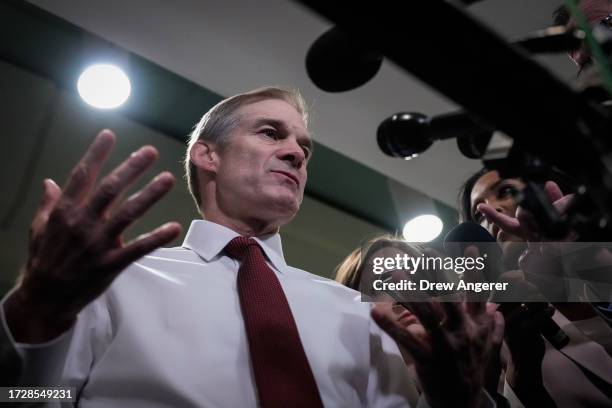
[(169, 333)]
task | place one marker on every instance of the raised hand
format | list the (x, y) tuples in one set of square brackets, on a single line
[(75, 246), (451, 360), (458, 355), (523, 224)]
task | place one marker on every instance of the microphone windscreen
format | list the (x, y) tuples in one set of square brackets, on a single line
[(405, 134), (470, 233), (337, 62)]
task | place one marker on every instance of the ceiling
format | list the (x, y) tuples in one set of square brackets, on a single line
[(236, 45)]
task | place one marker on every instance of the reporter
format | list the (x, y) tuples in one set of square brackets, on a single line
[(579, 374), (352, 273)]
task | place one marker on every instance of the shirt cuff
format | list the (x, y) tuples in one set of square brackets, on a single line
[(37, 364)]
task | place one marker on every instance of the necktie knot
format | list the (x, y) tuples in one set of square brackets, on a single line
[(237, 247)]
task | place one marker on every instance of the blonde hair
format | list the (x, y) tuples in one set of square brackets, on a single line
[(217, 124), (350, 270)]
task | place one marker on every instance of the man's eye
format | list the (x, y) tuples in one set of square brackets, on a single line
[(306, 151), (270, 132)]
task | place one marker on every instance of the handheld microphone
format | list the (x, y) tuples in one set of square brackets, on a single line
[(470, 233)]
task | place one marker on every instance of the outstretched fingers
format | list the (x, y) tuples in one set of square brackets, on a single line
[(563, 204), (497, 332), (429, 314), (555, 195), (83, 176), (119, 258), (553, 191), (136, 205), (412, 343), (51, 194), (455, 318), (121, 178), (503, 221)]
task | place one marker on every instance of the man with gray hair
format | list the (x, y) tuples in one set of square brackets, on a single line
[(221, 320)]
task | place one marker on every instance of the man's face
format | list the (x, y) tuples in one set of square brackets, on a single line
[(262, 168), (595, 11)]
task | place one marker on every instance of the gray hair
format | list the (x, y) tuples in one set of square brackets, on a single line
[(217, 124)]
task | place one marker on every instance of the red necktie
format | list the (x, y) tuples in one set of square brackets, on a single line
[(282, 373)]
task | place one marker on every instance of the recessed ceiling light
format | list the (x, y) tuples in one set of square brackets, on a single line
[(423, 228), (104, 86)]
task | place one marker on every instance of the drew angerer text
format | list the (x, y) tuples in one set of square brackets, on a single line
[(424, 284)]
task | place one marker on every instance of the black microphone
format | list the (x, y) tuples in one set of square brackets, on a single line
[(408, 134), (470, 233), (338, 62)]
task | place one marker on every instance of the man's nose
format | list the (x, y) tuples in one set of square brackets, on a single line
[(293, 154)]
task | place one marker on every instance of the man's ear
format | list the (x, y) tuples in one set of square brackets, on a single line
[(204, 155)]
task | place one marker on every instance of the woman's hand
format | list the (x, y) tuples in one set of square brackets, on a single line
[(523, 224)]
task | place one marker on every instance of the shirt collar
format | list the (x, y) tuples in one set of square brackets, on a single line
[(208, 239)]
